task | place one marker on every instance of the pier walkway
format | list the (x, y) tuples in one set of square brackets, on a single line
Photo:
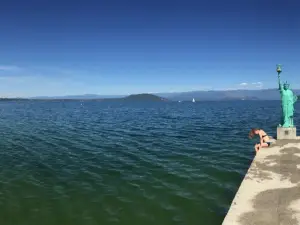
[(270, 191)]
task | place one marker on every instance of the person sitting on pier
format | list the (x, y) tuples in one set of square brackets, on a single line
[(264, 138)]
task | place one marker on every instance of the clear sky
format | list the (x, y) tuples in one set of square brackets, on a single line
[(59, 47)]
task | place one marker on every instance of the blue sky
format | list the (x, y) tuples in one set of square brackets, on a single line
[(122, 47)]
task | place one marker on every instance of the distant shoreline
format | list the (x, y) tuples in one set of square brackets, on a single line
[(199, 96), (114, 100), (138, 97), (222, 95)]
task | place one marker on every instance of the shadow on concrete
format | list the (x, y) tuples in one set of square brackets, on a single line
[(272, 207), (284, 165)]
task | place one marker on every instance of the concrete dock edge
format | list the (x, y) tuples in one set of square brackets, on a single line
[(270, 191)]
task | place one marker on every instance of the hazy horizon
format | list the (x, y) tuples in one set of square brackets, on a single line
[(158, 93)]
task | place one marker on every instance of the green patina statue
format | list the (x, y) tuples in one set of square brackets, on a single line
[(288, 100)]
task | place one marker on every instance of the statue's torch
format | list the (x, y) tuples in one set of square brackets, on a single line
[(278, 69)]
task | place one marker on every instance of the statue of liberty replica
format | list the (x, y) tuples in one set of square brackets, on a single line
[(288, 99)]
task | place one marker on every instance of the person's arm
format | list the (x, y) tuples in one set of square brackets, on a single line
[(261, 139)]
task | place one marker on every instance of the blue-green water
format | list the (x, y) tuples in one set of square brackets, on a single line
[(92, 163)]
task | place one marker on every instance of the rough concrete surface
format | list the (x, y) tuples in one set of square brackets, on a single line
[(270, 191)]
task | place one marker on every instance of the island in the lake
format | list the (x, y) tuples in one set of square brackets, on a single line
[(138, 97)]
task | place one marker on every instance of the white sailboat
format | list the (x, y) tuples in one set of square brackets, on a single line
[(194, 100)]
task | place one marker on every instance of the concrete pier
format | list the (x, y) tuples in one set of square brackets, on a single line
[(270, 191)]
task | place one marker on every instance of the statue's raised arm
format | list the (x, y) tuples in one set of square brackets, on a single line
[(279, 82), (280, 86)]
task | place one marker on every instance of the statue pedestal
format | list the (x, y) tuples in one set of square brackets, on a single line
[(286, 133)]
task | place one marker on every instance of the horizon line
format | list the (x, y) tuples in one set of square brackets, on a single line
[(122, 95)]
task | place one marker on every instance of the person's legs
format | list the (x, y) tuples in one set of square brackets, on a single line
[(256, 147), (259, 146), (264, 145)]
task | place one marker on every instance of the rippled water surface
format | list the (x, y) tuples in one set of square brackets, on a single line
[(88, 163)]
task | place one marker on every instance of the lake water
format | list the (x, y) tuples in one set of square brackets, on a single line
[(88, 163)]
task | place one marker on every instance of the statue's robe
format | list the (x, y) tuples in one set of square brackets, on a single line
[(287, 101)]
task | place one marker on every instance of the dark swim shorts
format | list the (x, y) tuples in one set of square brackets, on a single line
[(268, 143)]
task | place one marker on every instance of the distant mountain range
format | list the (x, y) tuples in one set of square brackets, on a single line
[(87, 96), (224, 95), (219, 95)]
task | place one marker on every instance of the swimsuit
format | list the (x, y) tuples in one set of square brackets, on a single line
[(268, 143)]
